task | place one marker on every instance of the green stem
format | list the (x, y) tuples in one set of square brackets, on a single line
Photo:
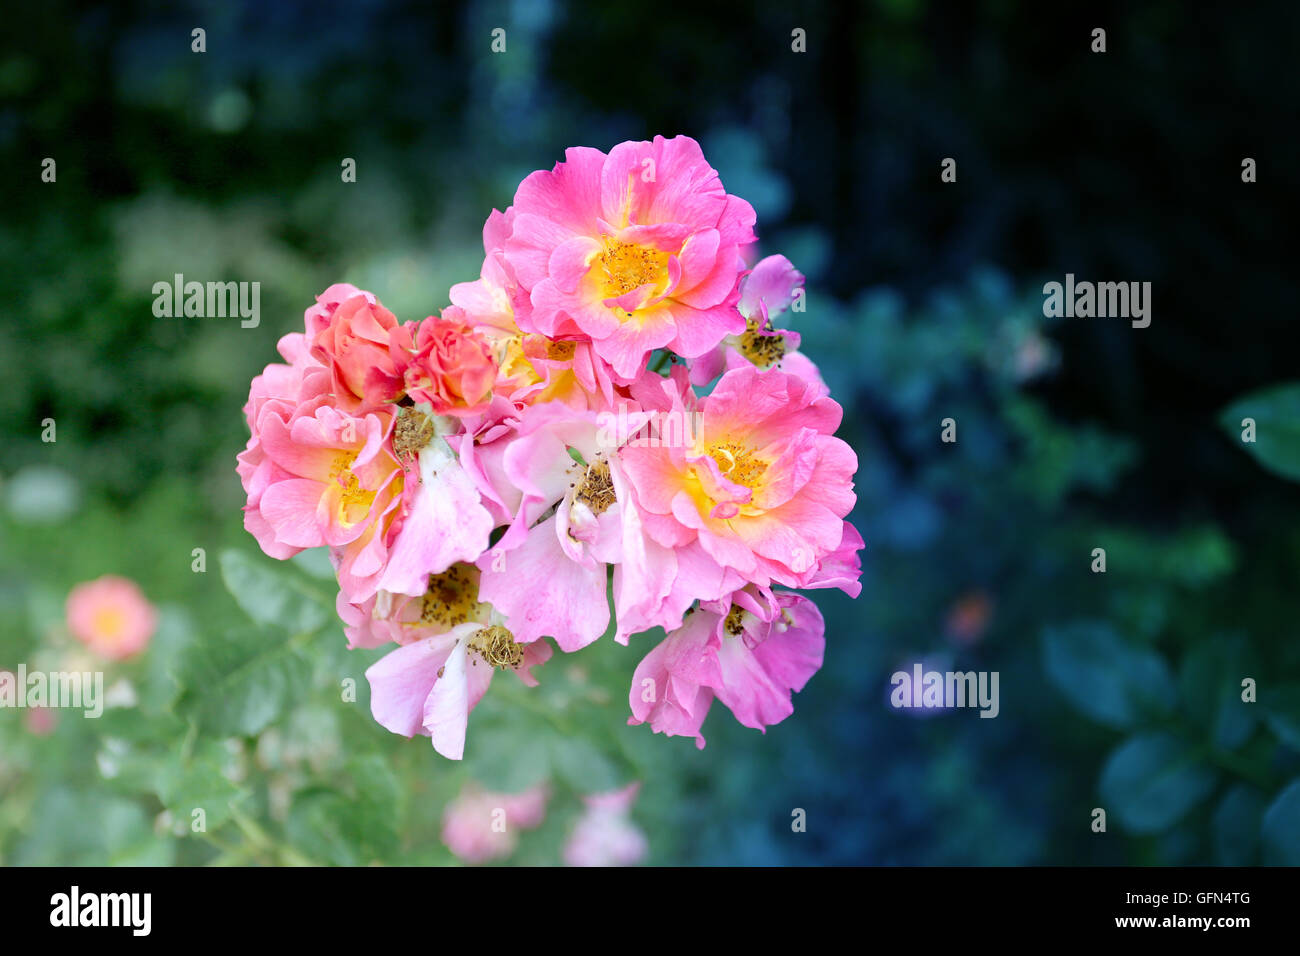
[(263, 841)]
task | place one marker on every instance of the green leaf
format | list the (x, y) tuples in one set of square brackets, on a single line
[(1281, 829), (1276, 411), (1104, 677), (1209, 683), (1281, 707), (160, 688), (240, 683), (87, 827), (128, 763), (272, 596), (201, 782), (1152, 780), (350, 828), (1236, 826)]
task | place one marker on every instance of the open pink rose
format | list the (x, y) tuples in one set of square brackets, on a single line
[(751, 650), (111, 616), (635, 250)]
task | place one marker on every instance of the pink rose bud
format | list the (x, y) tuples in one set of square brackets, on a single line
[(452, 368)]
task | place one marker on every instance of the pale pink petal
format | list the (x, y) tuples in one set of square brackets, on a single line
[(401, 681)]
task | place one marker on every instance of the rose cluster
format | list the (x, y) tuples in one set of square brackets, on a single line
[(548, 448)]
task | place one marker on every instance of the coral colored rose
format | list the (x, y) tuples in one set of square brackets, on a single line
[(111, 616), (636, 250), (354, 345), (451, 367), (318, 317), (479, 826)]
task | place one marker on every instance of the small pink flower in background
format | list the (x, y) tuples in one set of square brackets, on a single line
[(1034, 356), (968, 618), (605, 834), (479, 826), (40, 721), (111, 616)]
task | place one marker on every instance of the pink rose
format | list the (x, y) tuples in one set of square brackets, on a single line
[(479, 826), (354, 345), (452, 367), (605, 834), (111, 616)]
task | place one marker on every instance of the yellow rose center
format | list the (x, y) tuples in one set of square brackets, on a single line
[(762, 350), (625, 266), (452, 597), (355, 500), (737, 463), (109, 622), (734, 625), (560, 351)]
